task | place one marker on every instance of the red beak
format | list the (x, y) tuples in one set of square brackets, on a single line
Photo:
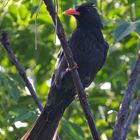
[(71, 12)]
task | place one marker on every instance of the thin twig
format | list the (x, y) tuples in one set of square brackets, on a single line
[(36, 25), (131, 117), (14, 61), (75, 75), (5, 4), (123, 112)]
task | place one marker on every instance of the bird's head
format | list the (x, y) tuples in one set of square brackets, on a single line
[(86, 15)]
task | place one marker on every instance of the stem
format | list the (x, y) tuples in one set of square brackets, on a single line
[(123, 112), (131, 117), (76, 79), (14, 61)]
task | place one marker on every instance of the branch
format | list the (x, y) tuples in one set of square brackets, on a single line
[(14, 61), (123, 112), (71, 64), (131, 117)]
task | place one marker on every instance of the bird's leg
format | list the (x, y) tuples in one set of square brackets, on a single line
[(77, 97), (75, 66)]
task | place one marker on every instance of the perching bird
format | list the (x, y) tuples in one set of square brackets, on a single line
[(89, 51)]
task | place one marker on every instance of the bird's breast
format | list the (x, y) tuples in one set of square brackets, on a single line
[(88, 52)]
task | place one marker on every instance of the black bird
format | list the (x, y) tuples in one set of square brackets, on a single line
[(89, 51)]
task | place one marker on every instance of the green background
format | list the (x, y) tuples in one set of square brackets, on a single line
[(121, 19)]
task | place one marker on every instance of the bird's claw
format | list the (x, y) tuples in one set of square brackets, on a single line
[(83, 97), (75, 66)]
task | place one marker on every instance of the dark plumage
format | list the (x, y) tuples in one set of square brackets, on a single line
[(89, 51)]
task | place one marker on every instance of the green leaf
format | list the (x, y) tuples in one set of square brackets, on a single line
[(21, 114), (11, 86), (137, 26), (123, 30), (72, 130)]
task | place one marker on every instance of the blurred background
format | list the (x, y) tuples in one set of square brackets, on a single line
[(33, 41)]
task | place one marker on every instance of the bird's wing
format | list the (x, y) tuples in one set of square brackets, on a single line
[(60, 68)]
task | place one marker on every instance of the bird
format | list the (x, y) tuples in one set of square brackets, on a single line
[(89, 50)]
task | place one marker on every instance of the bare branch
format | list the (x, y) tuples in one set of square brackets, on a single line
[(21, 72), (14, 61), (74, 72), (123, 112), (131, 117), (48, 132)]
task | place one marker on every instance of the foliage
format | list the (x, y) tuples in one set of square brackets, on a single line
[(121, 21)]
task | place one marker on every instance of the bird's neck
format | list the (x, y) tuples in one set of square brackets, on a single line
[(93, 31), (89, 24)]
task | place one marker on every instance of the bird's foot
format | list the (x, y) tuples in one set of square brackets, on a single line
[(75, 66), (83, 97)]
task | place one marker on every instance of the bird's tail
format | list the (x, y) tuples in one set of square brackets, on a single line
[(46, 125), (43, 130)]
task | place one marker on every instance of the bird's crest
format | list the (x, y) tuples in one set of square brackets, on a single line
[(88, 4), (91, 4)]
